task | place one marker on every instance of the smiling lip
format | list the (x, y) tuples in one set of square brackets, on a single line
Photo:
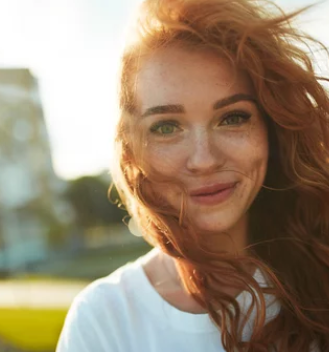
[(213, 194)]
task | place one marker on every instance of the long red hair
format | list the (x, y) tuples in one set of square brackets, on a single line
[(289, 220)]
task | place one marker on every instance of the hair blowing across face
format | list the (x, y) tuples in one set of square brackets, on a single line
[(289, 220)]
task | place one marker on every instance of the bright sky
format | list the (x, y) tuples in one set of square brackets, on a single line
[(72, 47)]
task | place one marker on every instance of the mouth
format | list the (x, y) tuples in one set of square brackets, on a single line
[(214, 194)]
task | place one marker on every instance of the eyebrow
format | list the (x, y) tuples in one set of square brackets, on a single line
[(179, 109)]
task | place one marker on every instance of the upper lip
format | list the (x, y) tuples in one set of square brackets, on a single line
[(214, 188)]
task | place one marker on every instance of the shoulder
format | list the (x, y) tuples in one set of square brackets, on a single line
[(96, 313), (108, 288)]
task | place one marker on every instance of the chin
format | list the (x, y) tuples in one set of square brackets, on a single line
[(216, 223), (222, 232)]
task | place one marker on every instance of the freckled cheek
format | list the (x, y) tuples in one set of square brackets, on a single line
[(248, 152), (167, 160), (256, 157)]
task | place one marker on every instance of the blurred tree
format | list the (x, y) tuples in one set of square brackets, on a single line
[(89, 197), (56, 231)]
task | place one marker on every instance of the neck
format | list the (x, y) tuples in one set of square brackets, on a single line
[(164, 275)]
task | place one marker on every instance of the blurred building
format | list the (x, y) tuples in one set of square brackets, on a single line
[(33, 214)]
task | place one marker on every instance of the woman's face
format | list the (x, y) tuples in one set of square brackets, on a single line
[(203, 129)]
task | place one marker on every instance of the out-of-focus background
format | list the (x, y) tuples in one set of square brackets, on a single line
[(58, 231)]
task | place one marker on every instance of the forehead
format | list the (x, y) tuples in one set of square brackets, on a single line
[(179, 76)]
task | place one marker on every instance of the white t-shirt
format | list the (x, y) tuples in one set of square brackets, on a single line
[(124, 313)]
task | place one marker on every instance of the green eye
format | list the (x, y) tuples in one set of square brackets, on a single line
[(164, 128), (236, 118), (232, 120)]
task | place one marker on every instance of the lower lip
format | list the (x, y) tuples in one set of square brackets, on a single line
[(214, 198)]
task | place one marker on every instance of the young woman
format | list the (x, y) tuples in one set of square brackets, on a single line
[(222, 149)]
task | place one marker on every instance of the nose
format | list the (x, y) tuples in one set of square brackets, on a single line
[(204, 156)]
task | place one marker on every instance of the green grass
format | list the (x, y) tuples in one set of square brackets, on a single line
[(34, 330)]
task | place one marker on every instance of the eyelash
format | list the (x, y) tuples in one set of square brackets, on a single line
[(154, 128), (245, 116)]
